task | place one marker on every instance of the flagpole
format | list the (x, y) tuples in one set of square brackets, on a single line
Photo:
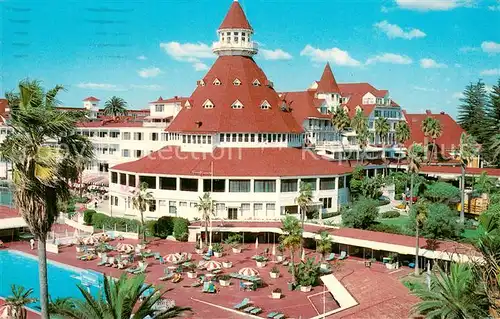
[(211, 191)]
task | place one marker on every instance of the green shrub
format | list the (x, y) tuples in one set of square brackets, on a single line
[(120, 224), (150, 228), (384, 228), (87, 216), (81, 200), (390, 214), (361, 214), (164, 227), (181, 230)]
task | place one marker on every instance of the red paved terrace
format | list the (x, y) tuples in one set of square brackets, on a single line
[(379, 292), (7, 212)]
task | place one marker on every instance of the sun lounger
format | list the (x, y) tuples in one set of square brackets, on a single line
[(272, 314), (142, 269), (111, 261), (209, 287), (133, 269), (216, 271), (330, 257), (104, 260), (256, 311), (176, 278), (279, 316), (157, 255), (343, 255), (196, 284), (285, 263), (248, 309), (206, 258), (244, 303)]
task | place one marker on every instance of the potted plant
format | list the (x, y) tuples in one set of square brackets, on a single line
[(218, 250), (234, 240), (227, 264), (261, 261), (198, 249), (191, 270), (275, 272), (393, 263), (276, 293), (307, 274), (279, 255), (225, 280)]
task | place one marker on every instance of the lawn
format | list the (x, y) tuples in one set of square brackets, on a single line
[(398, 221)]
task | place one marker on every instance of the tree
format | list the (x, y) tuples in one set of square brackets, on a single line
[(340, 119), (356, 182), (118, 299), (382, 129), (440, 222), (371, 187), (323, 244), (205, 207), (115, 106), (304, 200), (453, 296), (491, 127), (402, 135), (495, 146), (140, 201), (359, 123), (484, 184), (419, 213), (16, 304), (468, 150), (291, 238), (362, 214), (414, 154), (37, 168), (471, 111), (432, 129), (442, 192)]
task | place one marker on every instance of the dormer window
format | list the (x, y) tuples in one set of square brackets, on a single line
[(269, 84), (208, 104), (265, 105), (201, 83), (256, 82), (236, 82), (358, 109), (237, 105), (187, 104), (217, 82)]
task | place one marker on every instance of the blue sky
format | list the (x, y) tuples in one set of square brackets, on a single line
[(423, 52)]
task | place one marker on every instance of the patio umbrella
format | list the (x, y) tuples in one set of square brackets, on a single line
[(89, 241), (7, 312), (273, 252), (257, 243), (201, 243), (248, 271), (303, 257), (171, 258), (212, 265), (126, 248)]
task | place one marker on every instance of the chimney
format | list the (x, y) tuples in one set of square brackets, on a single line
[(428, 112), (442, 113)]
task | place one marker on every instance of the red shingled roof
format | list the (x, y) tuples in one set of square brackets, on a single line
[(264, 162), (304, 105), (327, 83), (171, 100), (3, 106), (455, 169), (223, 118), (360, 88), (235, 18), (91, 99)]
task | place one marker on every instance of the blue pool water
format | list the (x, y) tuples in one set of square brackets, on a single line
[(21, 269)]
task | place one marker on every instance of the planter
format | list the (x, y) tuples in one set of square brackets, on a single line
[(199, 251), (276, 295), (274, 275), (324, 266), (191, 274), (236, 250), (261, 264), (225, 283), (217, 254), (392, 265), (227, 264), (78, 249), (305, 288), (280, 258), (290, 286)]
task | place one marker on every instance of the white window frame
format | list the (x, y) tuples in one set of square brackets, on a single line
[(237, 105), (236, 82), (265, 105), (208, 104), (217, 82), (256, 82)]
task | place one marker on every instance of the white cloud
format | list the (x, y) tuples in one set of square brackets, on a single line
[(149, 72), (458, 95), (490, 72), (277, 54), (200, 66), (333, 55), (431, 64), (99, 86), (150, 87), (395, 31), (389, 58), (468, 49), (432, 5), (424, 89), (142, 57), (490, 47)]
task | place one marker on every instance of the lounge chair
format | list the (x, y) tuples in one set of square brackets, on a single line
[(104, 260), (279, 316), (330, 257), (244, 303), (285, 263), (216, 271), (176, 278), (122, 264), (272, 314), (248, 309), (207, 258), (157, 256), (133, 269), (209, 287), (111, 262), (256, 311), (343, 255), (142, 269), (168, 275), (196, 284)]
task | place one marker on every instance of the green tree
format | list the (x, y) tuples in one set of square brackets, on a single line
[(38, 171), (484, 184), (205, 206), (117, 299), (340, 119), (17, 302), (371, 187), (140, 200), (468, 150), (432, 129), (442, 192), (414, 154), (491, 127), (402, 135), (291, 238), (115, 106), (440, 222), (471, 111), (304, 200), (359, 123), (419, 214), (453, 296), (323, 244), (382, 129), (357, 177), (362, 214)]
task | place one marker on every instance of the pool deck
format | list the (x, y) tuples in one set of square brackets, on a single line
[(378, 291)]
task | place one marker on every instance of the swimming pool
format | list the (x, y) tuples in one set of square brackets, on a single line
[(22, 269)]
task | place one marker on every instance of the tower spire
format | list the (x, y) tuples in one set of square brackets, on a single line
[(328, 84)]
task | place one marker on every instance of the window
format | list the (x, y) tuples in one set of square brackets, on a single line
[(341, 182), (159, 107), (256, 82), (236, 82), (311, 182), (239, 186), (327, 183), (162, 203), (208, 104), (219, 185), (265, 186), (217, 82), (240, 137), (154, 136), (201, 83), (125, 153), (114, 134), (123, 179), (114, 177), (126, 136), (378, 113), (265, 105), (131, 180), (183, 204), (245, 209), (219, 207), (327, 202), (150, 180), (270, 207), (172, 208), (237, 105), (152, 205), (288, 185), (138, 136), (221, 138), (168, 183), (258, 207), (189, 184), (138, 153)]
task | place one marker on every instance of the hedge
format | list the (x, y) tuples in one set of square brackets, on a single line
[(167, 225), (390, 214), (181, 230), (87, 216), (111, 223)]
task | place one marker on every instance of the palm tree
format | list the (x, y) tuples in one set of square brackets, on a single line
[(402, 135), (115, 106), (362, 138), (304, 200), (359, 123), (468, 150), (382, 129), (340, 119), (15, 304), (205, 207), (427, 123), (432, 128), (118, 299), (484, 183), (420, 210), (452, 296), (291, 238), (323, 244), (140, 201), (38, 168)]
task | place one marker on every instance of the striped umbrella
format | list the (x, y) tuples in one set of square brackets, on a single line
[(172, 258), (303, 257), (248, 271), (126, 248), (212, 265), (90, 240), (257, 243)]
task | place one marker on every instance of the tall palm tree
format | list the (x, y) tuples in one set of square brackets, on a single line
[(452, 296), (115, 106), (468, 150), (362, 138), (140, 201), (432, 129), (359, 123), (304, 200), (420, 210), (205, 206), (323, 244), (340, 119), (402, 135), (382, 129), (427, 124), (291, 238), (118, 299), (16, 304), (38, 168)]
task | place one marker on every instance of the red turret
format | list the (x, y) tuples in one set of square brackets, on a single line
[(327, 84), (235, 18)]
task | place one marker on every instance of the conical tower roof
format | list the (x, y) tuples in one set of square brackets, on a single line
[(327, 84), (235, 18)]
